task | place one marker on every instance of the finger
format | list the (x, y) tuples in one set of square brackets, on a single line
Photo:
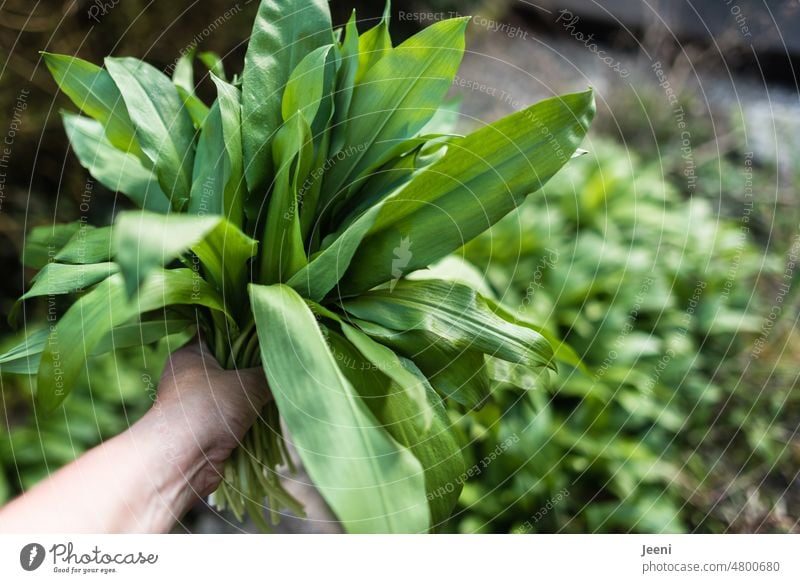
[(195, 353), (254, 382)]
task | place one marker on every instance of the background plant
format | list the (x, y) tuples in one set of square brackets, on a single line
[(638, 281)]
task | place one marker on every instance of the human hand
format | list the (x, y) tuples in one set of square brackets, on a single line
[(203, 411)]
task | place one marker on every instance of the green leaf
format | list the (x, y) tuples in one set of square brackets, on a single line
[(480, 179), (229, 100), (379, 185), (325, 269), (374, 44), (24, 358), (143, 242), (389, 363), (183, 74), (87, 322), (88, 245), (225, 253), (309, 190), (43, 243), (141, 333), (59, 278), (183, 78), (455, 313), (562, 351), (373, 484), (445, 120), (346, 78), (284, 251), (198, 111), (395, 100), (284, 32), (94, 92), (213, 63), (386, 361), (212, 169), (116, 170), (458, 374), (405, 158), (163, 125), (456, 268), (435, 447), (304, 90)]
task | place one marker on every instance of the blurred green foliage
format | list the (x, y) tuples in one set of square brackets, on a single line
[(660, 298), (32, 445)]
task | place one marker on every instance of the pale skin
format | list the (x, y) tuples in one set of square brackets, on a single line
[(145, 479)]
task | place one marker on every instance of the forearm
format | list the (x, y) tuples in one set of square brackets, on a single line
[(143, 480), (146, 478)]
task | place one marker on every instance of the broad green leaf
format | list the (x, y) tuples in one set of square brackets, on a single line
[(304, 90), (89, 319), (284, 32), (163, 125), (88, 245), (325, 269), (395, 100), (225, 253), (405, 158), (562, 351), (143, 242), (183, 78), (198, 111), (284, 251), (458, 374), (456, 268), (480, 179), (309, 190), (183, 74), (94, 92), (24, 358), (212, 169), (43, 243), (373, 484), (113, 168), (346, 78), (445, 120), (141, 333), (60, 278), (390, 364), (386, 361), (455, 313), (379, 185), (229, 100), (434, 446), (374, 44)]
